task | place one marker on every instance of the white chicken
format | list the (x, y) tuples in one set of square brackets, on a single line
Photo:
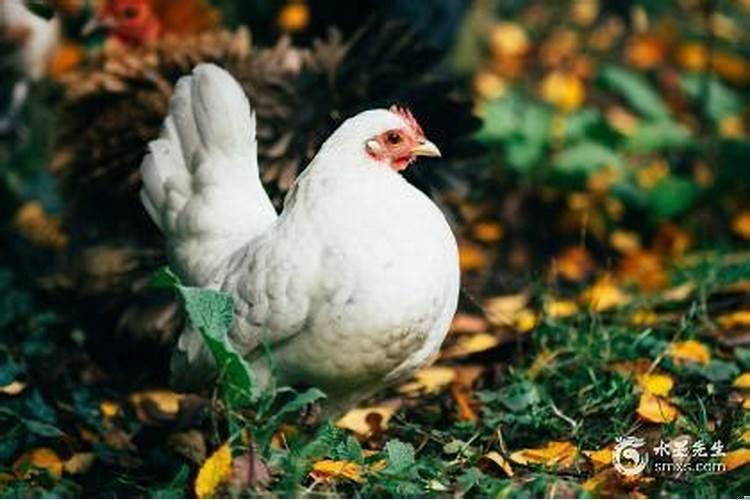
[(351, 287)]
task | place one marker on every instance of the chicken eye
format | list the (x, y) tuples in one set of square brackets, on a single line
[(129, 12), (393, 138)]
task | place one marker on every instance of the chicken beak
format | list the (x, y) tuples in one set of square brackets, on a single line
[(95, 25), (426, 148)]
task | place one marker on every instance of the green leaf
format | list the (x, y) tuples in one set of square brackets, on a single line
[(658, 136), (672, 196), (400, 455), (164, 277), (519, 396), (743, 356), (586, 157), (636, 90), (520, 127), (721, 100), (582, 124), (501, 119), (211, 313), (720, 371)]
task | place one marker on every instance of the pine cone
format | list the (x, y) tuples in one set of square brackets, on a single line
[(300, 96)]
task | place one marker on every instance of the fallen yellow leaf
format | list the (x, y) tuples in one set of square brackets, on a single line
[(332, 469), (366, 421), (604, 295), (600, 458), (690, 351), (470, 344), (471, 257), (525, 320), (741, 225), (429, 380), (43, 458), (554, 453), (497, 459), (561, 308), (79, 463), (294, 16), (625, 242), (736, 319), (14, 388), (743, 381), (166, 403), (109, 409), (644, 318), (503, 309), (563, 90), (745, 437), (655, 409), (736, 458), (487, 231), (214, 472), (468, 323), (542, 361), (656, 384), (680, 292), (508, 39)]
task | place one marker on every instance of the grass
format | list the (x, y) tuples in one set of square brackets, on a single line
[(557, 383)]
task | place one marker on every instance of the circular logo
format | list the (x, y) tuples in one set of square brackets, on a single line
[(627, 458)]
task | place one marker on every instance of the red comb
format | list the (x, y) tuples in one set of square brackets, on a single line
[(408, 117)]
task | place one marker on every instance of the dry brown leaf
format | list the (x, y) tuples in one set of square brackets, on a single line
[(189, 444), (333, 469), (690, 351), (470, 344), (214, 472), (429, 380), (656, 410), (553, 454), (493, 461), (366, 421), (656, 384), (645, 268), (14, 388), (574, 264), (736, 458), (632, 367)]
